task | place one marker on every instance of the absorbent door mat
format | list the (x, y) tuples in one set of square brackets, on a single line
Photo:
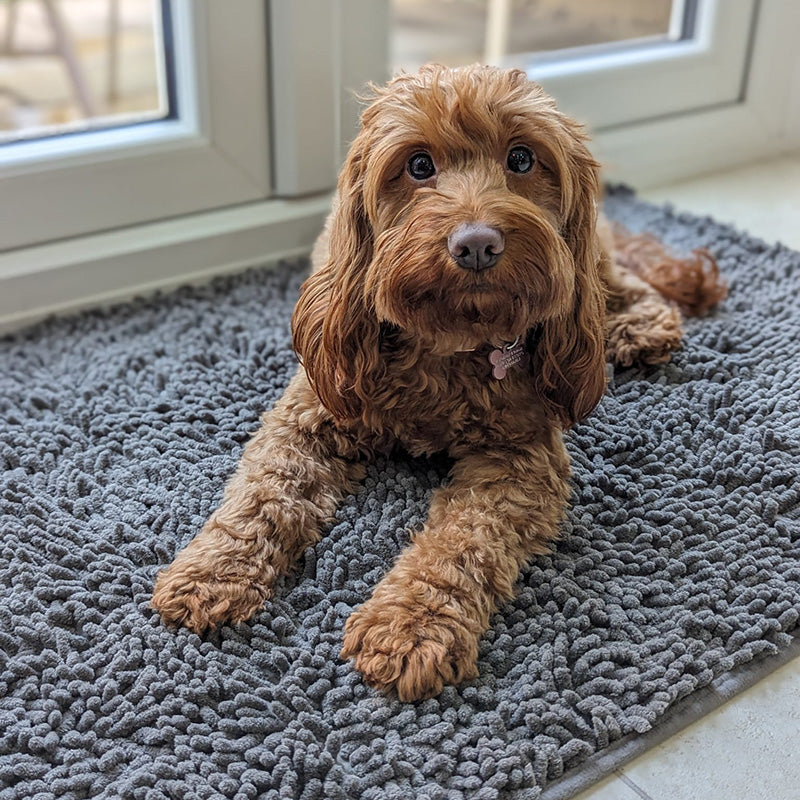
[(675, 584)]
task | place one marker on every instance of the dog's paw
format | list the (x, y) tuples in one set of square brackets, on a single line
[(414, 651), (643, 339), (200, 602)]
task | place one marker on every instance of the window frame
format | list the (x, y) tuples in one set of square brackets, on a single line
[(319, 52), (61, 272), (212, 155), (616, 86), (762, 122), (108, 266)]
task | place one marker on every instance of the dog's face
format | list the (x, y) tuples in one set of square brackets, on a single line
[(463, 192), (465, 216)]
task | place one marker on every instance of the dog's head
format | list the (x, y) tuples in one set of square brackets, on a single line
[(465, 215)]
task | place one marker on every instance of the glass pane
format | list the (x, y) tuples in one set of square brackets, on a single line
[(71, 65), (459, 32)]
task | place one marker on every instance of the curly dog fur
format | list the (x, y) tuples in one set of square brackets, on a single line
[(394, 332)]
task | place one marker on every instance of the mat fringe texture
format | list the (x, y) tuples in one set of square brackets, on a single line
[(679, 563)]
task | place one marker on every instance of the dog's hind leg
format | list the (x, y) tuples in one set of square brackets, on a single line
[(293, 473), (647, 289), (641, 326)]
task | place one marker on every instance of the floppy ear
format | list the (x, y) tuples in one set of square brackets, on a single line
[(569, 356), (334, 332)]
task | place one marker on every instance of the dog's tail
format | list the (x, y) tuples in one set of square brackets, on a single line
[(694, 283)]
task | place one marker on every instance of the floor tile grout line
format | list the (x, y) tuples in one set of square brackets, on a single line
[(631, 785)]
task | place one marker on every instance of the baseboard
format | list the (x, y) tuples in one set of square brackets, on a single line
[(95, 270)]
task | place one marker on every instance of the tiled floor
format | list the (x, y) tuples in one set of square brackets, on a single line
[(749, 747), (761, 198)]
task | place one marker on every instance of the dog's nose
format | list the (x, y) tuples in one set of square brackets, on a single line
[(476, 246)]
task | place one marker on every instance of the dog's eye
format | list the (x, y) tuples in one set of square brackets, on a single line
[(421, 167), (520, 160)]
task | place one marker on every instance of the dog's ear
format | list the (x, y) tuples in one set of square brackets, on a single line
[(335, 333), (569, 355)]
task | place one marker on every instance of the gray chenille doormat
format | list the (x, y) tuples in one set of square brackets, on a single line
[(676, 582)]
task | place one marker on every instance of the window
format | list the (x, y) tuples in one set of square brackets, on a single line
[(232, 164), (79, 65), (668, 88), (212, 151), (234, 160), (608, 63), (460, 32)]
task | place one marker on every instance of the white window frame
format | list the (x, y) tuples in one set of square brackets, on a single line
[(213, 155), (763, 121), (669, 108), (617, 85), (212, 194), (324, 54), (314, 119)]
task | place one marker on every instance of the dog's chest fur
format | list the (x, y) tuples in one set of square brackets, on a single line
[(432, 403)]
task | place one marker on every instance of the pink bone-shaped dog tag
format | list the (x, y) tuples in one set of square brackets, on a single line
[(502, 359)]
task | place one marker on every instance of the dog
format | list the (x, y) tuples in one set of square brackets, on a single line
[(465, 298)]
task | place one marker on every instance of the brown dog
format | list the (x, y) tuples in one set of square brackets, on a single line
[(464, 299)]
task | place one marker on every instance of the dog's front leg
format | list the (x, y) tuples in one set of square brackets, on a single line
[(291, 476), (421, 627)]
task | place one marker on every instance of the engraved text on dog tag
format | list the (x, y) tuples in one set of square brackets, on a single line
[(508, 356)]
